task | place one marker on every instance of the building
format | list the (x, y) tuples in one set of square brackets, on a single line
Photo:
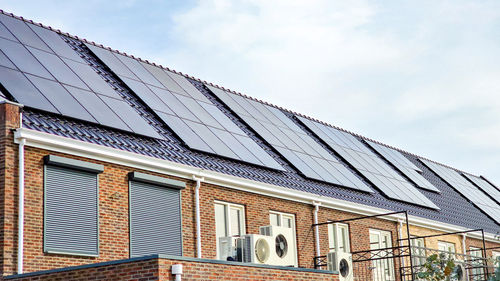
[(114, 168)]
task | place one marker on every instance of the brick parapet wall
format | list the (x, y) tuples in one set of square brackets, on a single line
[(159, 268)]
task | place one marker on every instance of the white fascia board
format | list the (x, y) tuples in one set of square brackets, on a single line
[(112, 155)]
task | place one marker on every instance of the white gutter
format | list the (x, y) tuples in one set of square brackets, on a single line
[(316, 227), (130, 159), (197, 211), (20, 219)]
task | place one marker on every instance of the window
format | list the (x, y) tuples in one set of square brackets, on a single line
[(229, 220), (447, 248), (476, 256), (282, 219), (340, 232), (383, 263), (418, 251), (155, 215), (71, 206)]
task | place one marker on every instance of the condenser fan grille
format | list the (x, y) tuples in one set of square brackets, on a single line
[(281, 246), (262, 250)]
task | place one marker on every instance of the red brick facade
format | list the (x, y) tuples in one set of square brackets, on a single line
[(114, 225)]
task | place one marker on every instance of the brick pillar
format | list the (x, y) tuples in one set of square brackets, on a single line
[(9, 120)]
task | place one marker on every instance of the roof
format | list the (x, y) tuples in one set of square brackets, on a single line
[(454, 208)]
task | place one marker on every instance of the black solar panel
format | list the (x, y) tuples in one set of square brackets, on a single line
[(487, 187), (467, 189), (191, 115), (370, 165), (40, 70), (403, 165), (290, 141)]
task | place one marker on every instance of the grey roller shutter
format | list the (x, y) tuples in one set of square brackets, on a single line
[(71, 211), (155, 220)]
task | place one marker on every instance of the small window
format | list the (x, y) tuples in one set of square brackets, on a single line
[(477, 263), (418, 251), (448, 248), (340, 232), (229, 220), (282, 219)]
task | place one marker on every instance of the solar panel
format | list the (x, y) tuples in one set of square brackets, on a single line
[(369, 164), (191, 115), (404, 165), (466, 188), (41, 71), (487, 187), (312, 160)]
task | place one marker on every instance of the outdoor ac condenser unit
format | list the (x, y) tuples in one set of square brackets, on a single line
[(341, 262), (256, 248), (284, 247), (228, 248)]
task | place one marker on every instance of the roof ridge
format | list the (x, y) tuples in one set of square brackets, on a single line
[(222, 88)]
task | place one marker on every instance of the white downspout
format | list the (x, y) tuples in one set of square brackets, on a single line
[(464, 251), (316, 227), (400, 234), (197, 213), (20, 220)]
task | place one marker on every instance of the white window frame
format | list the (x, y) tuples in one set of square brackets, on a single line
[(227, 222), (334, 232), (419, 255), (477, 253), (447, 245), (281, 217), (495, 255)]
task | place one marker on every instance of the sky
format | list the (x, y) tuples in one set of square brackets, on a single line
[(423, 76)]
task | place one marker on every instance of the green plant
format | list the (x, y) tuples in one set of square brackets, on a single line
[(440, 267), (496, 275)]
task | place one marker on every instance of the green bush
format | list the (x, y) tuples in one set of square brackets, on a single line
[(440, 268)]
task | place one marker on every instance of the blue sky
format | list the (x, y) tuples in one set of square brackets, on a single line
[(420, 75)]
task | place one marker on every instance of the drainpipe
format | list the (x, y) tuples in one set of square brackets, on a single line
[(316, 227), (464, 251), (197, 211), (400, 236), (20, 220)]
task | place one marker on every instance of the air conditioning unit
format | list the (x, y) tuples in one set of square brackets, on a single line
[(284, 245), (341, 262), (256, 248), (228, 248)]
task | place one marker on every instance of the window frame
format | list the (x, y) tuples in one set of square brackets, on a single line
[(227, 222), (292, 216), (447, 245), (333, 230)]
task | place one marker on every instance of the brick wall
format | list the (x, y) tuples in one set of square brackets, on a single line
[(160, 269), (9, 120), (113, 213)]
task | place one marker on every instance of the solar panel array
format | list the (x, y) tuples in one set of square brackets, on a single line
[(489, 189), (40, 70), (312, 160), (369, 164), (189, 113), (404, 165), (467, 189)]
